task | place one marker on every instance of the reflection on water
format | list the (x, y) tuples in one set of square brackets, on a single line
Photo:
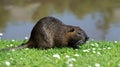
[(100, 19)]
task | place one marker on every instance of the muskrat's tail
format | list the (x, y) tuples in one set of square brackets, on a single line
[(15, 48)]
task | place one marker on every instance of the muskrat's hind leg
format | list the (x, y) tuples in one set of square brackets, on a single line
[(45, 39)]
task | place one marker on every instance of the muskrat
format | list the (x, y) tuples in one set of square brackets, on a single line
[(50, 32)]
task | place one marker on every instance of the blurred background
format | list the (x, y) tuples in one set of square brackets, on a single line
[(100, 19)]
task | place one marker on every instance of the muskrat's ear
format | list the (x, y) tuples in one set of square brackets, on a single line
[(71, 30)]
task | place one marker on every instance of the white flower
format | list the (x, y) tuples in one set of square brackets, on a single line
[(70, 65), (67, 56), (13, 49), (72, 59), (11, 45), (56, 56), (89, 66), (93, 48), (109, 48), (7, 63), (92, 45), (76, 55), (26, 38), (13, 40), (94, 51), (104, 48), (1, 34), (97, 65), (26, 48), (87, 41), (98, 53), (21, 58), (76, 49), (86, 50), (115, 41), (118, 65), (69, 61)]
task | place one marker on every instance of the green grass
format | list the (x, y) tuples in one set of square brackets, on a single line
[(91, 54)]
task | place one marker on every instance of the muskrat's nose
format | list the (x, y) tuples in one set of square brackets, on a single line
[(87, 38)]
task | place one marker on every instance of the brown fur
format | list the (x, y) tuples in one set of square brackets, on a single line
[(50, 32)]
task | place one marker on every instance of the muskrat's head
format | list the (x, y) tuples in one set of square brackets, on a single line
[(76, 37)]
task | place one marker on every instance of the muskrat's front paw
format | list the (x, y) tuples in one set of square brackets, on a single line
[(76, 47)]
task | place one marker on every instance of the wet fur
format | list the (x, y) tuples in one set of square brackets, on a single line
[(50, 32)]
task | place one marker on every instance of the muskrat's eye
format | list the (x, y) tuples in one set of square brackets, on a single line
[(79, 33), (72, 30)]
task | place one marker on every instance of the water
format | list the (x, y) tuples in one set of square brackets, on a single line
[(100, 19)]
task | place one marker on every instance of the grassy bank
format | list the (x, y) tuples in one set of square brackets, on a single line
[(92, 54)]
